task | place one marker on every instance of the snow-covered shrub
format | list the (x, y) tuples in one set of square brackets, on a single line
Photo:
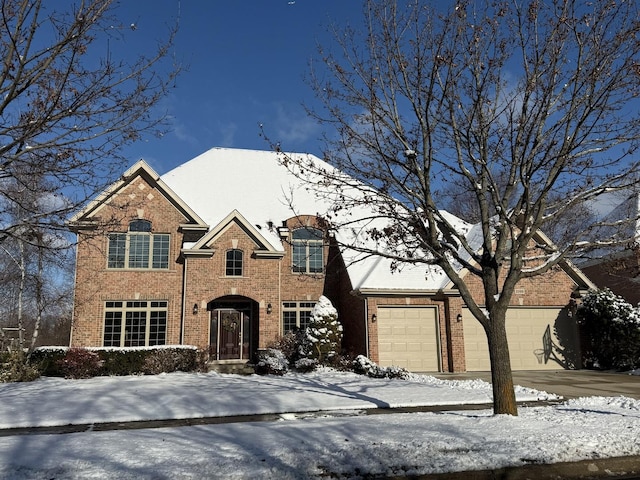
[(15, 368), (271, 362), (305, 365), (48, 359), (324, 332), (365, 366), (80, 363), (291, 344), (126, 360), (167, 360), (610, 329)]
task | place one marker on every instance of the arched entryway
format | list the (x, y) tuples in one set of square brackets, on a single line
[(233, 328)]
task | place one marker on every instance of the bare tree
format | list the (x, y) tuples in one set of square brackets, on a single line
[(68, 104), (530, 105), (36, 265), (561, 228)]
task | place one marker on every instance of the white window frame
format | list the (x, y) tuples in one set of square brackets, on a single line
[(153, 257), (307, 246), (144, 308), (298, 308)]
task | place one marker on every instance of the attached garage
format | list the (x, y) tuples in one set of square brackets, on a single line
[(409, 337), (543, 338)]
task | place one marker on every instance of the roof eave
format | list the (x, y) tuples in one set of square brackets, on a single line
[(203, 252), (268, 253), (403, 292)]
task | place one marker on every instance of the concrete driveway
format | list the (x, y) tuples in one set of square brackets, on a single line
[(568, 383)]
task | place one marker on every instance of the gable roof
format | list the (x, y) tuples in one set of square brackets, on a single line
[(139, 169), (263, 192), (254, 190), (251, 182), (573, 272), (263, 247)]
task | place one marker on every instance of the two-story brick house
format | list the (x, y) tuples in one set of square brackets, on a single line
[(226, 252)]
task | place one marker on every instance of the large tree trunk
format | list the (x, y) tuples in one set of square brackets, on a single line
[(504, 398)]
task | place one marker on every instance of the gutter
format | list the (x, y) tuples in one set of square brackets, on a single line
[(389, 292)]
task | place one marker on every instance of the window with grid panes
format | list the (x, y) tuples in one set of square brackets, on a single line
[(139, 248), (234, 263), (296, 315), (135, 323), (307, 250)]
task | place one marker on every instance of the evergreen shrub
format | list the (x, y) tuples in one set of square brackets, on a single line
[(119, 361), (271, 362), (610, 330), (15, 368)]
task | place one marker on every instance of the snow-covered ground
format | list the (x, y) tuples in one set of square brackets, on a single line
[(341, 443)]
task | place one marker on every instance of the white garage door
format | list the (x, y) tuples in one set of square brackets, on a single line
[(408, 338), (533, 343)]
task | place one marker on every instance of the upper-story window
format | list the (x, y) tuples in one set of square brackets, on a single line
[(234, 263), (308, 251), (138, 248)]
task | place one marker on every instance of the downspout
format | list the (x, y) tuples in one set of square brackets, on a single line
[(184, 299), (366, 326), (75, 283), (280, 293)]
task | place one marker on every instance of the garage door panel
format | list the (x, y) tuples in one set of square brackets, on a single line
[(399, 347), (526, 329), (397, 332), (412, 333), (384, 330), (413, 330)]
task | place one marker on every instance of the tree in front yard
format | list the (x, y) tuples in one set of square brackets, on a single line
[(530, 107), (72, 96), (323, 336)]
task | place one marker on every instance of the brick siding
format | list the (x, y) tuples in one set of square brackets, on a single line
[(266, 280)]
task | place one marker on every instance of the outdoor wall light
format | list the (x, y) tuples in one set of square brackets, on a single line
[(195, 308), (459, 317), (374, 318), (269, 309)]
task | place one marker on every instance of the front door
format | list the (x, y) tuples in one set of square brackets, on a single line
[(230, 334)]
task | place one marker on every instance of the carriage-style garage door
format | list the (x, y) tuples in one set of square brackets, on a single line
[(533, 343), (408, 337)]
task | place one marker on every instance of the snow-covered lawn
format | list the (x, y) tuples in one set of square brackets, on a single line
[(341, 442)]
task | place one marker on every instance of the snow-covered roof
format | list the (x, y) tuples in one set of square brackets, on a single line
[(252, 182), (257, 185)]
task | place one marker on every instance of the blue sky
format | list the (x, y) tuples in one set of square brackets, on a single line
[(246, 63)]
